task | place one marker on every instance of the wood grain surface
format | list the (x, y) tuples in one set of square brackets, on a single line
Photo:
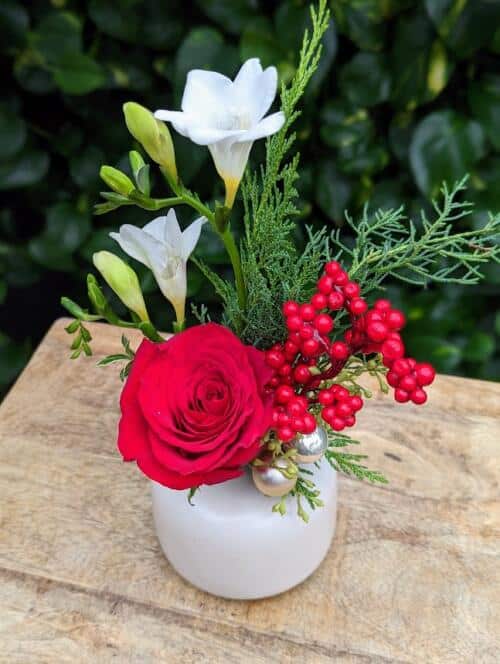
[(413, 574)]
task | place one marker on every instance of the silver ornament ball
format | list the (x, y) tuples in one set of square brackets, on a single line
[(271, 481), (311, 446)]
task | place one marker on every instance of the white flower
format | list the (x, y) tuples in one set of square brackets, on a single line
[(164, 249), (228, 116)]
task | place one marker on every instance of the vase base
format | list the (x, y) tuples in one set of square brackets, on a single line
[(230, 544)]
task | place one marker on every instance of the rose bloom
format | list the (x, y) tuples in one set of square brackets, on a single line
[(194, 408)]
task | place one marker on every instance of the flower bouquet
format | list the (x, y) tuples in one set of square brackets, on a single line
[(254, 408)]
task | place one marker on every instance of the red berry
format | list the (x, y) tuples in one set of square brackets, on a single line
[(295, 408), (335, 300), (339, 350), (401, 367), (332, 268), (351, 289), (323, 323), (383, 305), (301, 373), (408, 383), (325, 285), (290, 308), (302, 401), (418, 396), (307, 312), (275, 358), (392, 378), (284, 393), (310, 347), (286, 433), (373, 315), (411, 362), (319, 301), (401, 396), (343, 409), (309, 423), (274, 382), (298, 424), (306, 332), (356, 403), (285, 370), (325, 397), (275, 415), (283, 419), (294, 323), (340, 392), (395, 319), (341, 278), (328, 413), (392, 349), (425, 373), (337, 424), (357, 306), (291, 349), (377, 331), (350, 420)]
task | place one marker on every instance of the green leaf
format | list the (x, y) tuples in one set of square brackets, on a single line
[(342, 126), (365, 79), (259, 41), (231, 16), (359, 159), (479, 347), (24, 169), (115, 19), (445, 146), (14, 22), (79, 74), (84, 167), (444, 355), (484, 100), (362, 21), (57, 35), (333, 191), (12, 132), (66, 229), (465, 25)]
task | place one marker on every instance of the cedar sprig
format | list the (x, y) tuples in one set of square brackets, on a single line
[(127, 356)]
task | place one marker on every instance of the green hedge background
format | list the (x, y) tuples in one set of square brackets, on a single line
[(407, 95)]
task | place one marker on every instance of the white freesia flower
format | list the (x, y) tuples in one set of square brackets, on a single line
[(228, 116), (164, 249)]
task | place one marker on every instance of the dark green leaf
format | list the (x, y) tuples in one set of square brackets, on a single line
[(333, 191), (342, 126), (12, 132), (365, 80), (14, 21), (84, 167), (23, 170), (79, 74), (232, 16), (57, 35), (444, 355), (479, 347), (445, 146), (484, 100)]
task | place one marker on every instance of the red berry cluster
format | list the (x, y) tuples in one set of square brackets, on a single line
[(339, 407), (309, 325), (408, 378)]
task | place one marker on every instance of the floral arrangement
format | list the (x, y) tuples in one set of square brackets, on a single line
[(274, 385)]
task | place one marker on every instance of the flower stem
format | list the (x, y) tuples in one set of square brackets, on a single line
[(232, 250)]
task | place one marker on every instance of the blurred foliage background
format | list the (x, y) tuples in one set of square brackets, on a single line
[(407, 95)]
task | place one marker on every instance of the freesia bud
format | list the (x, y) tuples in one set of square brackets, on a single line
[(116, 180), (122, 279), (152, 134)]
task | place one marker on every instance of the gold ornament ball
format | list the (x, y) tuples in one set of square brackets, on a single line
[(271, 481), (311, 446)]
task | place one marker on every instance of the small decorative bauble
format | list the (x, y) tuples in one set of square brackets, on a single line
[(311, 446), (270, 480)]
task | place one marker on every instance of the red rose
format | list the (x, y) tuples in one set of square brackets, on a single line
[(194, 408)]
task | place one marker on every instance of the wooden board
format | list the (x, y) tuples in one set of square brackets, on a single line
[(413, 574)]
